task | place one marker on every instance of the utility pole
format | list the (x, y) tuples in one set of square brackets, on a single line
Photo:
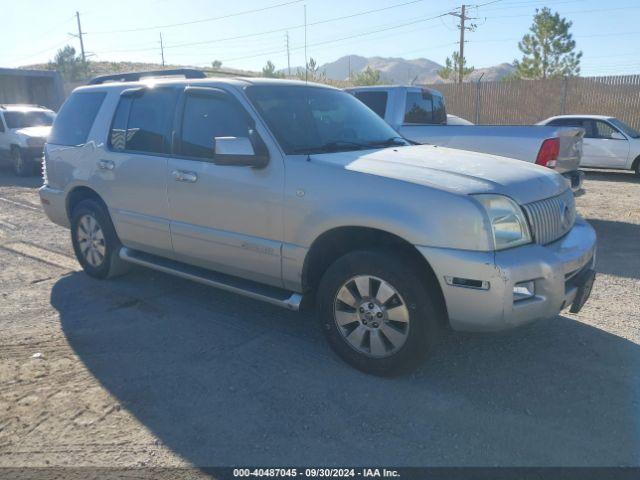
[(288, 54), (463, 17), (349, 67), (80, 37), (306, 63), (161, 49)]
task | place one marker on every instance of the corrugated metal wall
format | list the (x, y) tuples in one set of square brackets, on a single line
[(529, 101)]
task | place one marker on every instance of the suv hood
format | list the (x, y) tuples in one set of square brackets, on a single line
[(38, 132), (457, 171)]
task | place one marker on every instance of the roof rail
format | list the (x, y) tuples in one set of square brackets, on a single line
[(135, 76), (5, 105)]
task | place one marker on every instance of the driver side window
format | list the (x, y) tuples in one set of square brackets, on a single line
[(604, 130)]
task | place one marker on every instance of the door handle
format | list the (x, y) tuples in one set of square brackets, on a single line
[(184, 176), (106, 165)]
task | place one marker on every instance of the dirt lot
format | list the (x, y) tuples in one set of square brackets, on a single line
[(156, 371)]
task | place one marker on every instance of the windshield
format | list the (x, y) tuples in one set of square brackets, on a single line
[(28, 119), (625, 128), (315, 119)]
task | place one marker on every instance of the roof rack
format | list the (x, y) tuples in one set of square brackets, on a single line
[(135, 76)]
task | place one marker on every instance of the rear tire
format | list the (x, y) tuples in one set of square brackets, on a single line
[(95, 241), (22, 166), (637, 169), (379, 313)]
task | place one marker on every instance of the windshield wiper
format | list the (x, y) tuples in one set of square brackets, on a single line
[(390, 142), (334, 147)]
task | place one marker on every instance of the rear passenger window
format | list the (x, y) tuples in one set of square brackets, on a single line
[(207, 117), (376, 101), (73, 123), (425, 108), (143, 123)]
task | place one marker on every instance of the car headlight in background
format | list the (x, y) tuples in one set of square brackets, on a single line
[(508, 222)]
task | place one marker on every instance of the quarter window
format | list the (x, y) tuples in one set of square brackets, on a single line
[(143, 123), (75, 119), (207, 117)]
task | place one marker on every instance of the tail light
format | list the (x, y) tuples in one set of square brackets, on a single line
[(548, 154)]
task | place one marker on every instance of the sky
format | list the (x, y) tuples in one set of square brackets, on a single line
[(245, 34)]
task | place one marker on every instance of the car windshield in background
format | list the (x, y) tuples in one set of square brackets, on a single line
[(625, 128), (316, 120), (28, 119)]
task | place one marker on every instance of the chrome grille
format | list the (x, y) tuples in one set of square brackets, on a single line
[(551, 218)]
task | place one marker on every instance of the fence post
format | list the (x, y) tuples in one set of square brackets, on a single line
[(563, 101), (478, 99)]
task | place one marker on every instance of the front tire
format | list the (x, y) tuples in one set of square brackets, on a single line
[(95, 241), (378, 311), (22, 166)]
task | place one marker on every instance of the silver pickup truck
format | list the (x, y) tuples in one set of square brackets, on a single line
[(298, 194), (419, 114)]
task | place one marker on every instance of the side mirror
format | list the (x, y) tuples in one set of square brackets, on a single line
[(237, 151), (617, 136)]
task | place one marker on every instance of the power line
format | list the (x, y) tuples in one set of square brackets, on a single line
[(202, 20), (267, 32)]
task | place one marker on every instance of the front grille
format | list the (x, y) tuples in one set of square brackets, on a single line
[(551, 218)]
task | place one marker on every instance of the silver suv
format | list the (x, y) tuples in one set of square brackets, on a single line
[(23, 132), (284, 191)]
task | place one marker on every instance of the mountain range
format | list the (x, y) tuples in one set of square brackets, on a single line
[(400, 70)]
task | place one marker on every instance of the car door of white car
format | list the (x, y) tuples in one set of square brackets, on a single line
[(224, 217), (604, 146)]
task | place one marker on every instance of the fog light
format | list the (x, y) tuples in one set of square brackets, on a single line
[(524, 290)]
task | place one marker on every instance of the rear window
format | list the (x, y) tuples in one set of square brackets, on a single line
[(73, 123), (142, 123), (29, 119), (376, 101), (425, 107)]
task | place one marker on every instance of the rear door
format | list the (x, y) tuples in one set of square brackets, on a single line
[(602, 148), (224, 217), (132, 170)]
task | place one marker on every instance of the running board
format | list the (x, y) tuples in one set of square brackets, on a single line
[(274, 295)]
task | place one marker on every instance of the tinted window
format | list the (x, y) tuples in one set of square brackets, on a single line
[(207, 117), (150, 120), (376, 101), (604, 130), (29, 119), (566, 122), (314, 119), (75, 119), (425, 107)]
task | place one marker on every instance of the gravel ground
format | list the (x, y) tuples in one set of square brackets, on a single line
[(150, 370)]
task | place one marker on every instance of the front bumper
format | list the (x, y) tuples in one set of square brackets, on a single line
[(555, 269)]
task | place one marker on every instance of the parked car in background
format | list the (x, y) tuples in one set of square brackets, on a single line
[(455, 120), (280, 190), (608, 142), (419, 114), (23, 132)]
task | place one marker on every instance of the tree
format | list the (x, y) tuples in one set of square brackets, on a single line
[(451, 67), (369, 76), (269, 70), (549, 50), (70, 65), (312, 72), (216, 64)]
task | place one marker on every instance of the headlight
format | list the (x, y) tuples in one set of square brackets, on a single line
[(508, 222)]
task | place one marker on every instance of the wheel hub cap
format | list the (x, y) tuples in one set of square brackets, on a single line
[(371, 316), (91, 240)]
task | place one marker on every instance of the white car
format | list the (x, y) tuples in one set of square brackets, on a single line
[(455, 120), (23, 132), (608, 142)]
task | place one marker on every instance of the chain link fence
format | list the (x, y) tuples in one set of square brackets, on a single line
[(522, 102)]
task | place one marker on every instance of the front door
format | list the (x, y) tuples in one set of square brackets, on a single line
[(226, 218), (601, 148)]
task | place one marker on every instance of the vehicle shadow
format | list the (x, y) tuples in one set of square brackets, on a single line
[(222, 380), (625, 176), (618, 242), (9, 179)]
